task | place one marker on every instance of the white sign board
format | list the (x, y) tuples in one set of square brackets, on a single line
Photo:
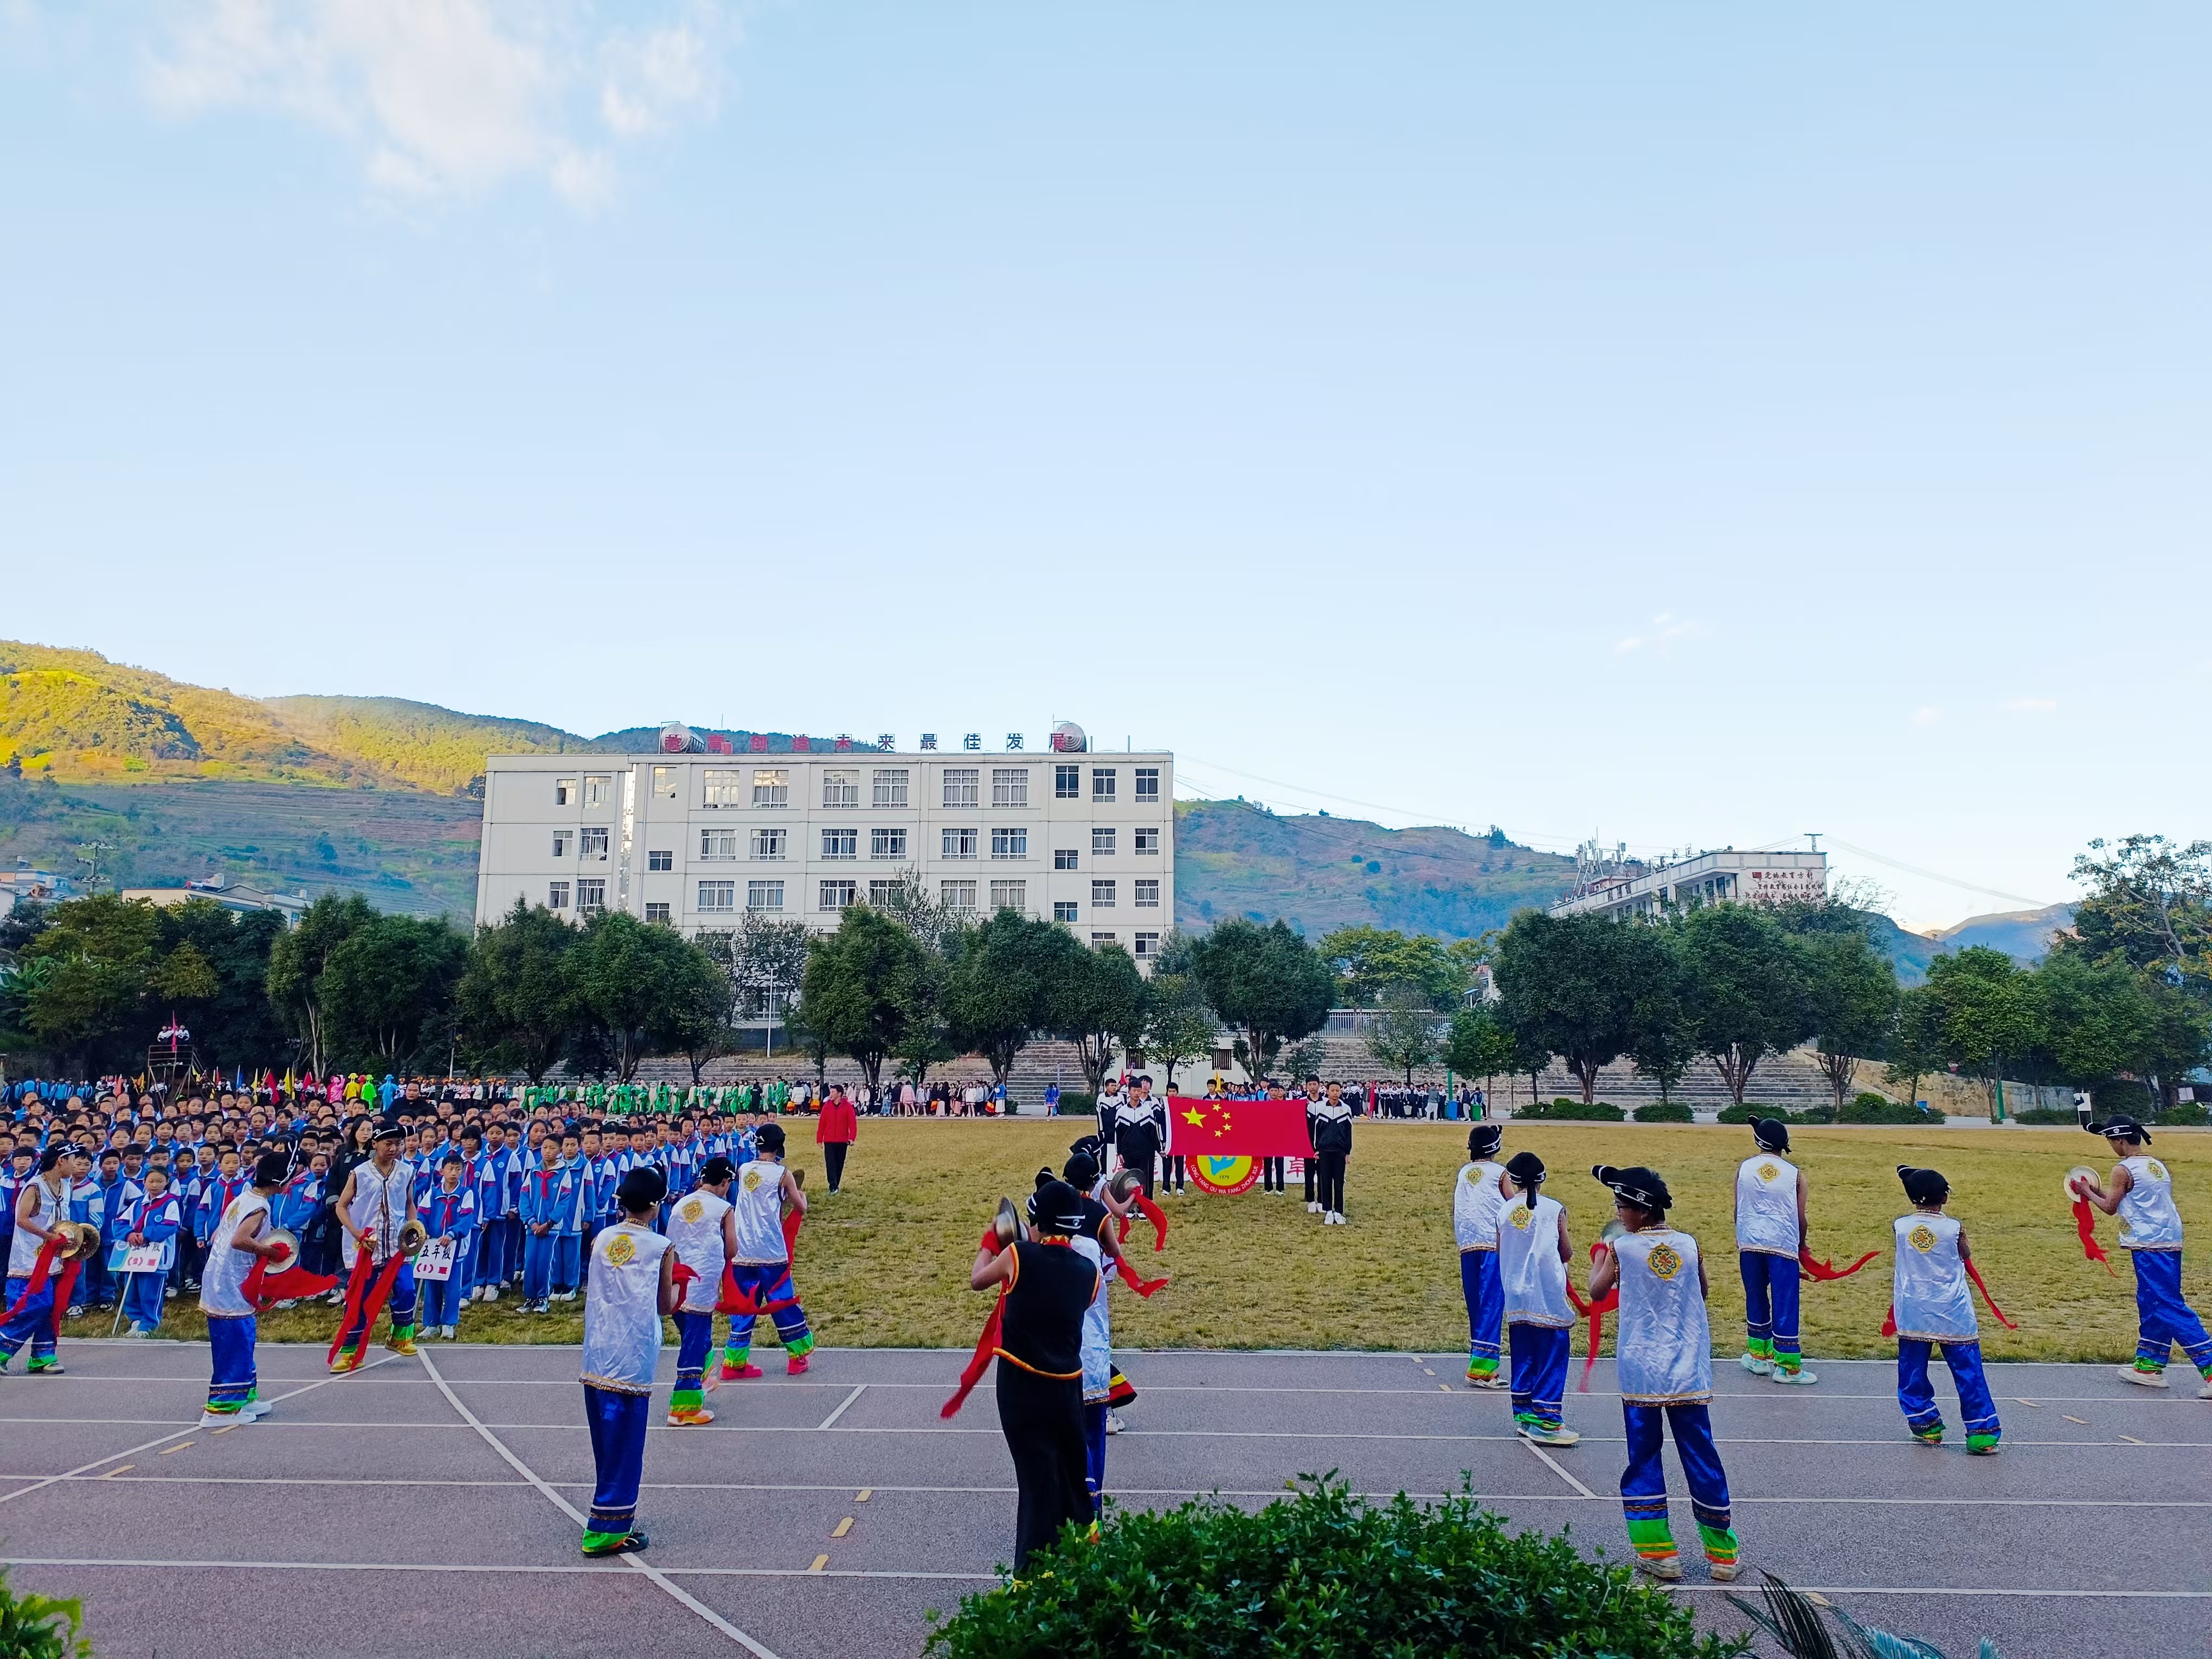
[(1801, 886), (436, 1261), (142, 1259)]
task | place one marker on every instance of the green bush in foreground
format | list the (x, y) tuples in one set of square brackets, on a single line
[(34, 1627), (1573, 1111), (1322, 1573)]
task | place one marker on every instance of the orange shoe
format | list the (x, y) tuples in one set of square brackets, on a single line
[(794, 1367), (695, 1417)]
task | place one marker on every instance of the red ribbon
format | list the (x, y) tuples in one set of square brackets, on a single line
[(1827, 1271), (41, 1270), (734, 1300), (1140, 1286), (986, 1344), (1152, 1213), (365, 1300), (2085, 1222), (1975, 1274), (1595, 1312)]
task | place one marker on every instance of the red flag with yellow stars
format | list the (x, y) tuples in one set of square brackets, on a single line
[(1238, 1128)]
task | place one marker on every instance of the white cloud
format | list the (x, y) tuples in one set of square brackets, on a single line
[(1926, 716), (452, 98), (1665, 630), (2030, 705)]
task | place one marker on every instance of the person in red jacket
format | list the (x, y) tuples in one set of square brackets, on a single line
[(837, 1129)]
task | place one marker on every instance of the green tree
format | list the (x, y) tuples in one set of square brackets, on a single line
[(632, 980), (1098, 998), (1267, 981), (517, 998), (1661, 1041), (1479, 1045), (1916, 1042), (869, 987), (92, 971), (1370, 960), (1745, 985), (388, 988), (1406, 1031), (2149, 904), (1985, 1012), (298, 960), (233, 1024), (1568, 987), (1006, 980), (1851, 992)]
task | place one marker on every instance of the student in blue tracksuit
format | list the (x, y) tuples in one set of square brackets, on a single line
[(154, 1217), (450, 1211), (521, 1159), (541, 1216), (488, 1174), (575, 1195), (15, 1176)]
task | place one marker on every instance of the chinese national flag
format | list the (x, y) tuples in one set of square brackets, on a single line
[(1233, 1128)]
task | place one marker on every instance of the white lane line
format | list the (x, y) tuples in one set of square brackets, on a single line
[(1950, 1590), (577, 1515), (1558, 1469), (830, 1421), (163, 1440), (587, 1568)]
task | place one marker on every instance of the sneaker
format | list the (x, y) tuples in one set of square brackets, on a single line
[(1495, 1381), (1757, 1365), (1983, 1449), (452, 1333), (2205, 1393), (1667, 1569), (256, 1410), (402, 1346), (1800, 1378), (491, 1293), (696, 1417), (224, 1419), (47, 1367), (1929, 1437), (1546, 1436), (1312, 1208), (2144, 1379), (1114, 1423), (622, 1546), (740, 1373), (795, 1367), (135, 1332), (1724, 1572), (293, 1303)]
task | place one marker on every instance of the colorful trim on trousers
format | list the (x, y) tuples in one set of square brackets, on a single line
[(1771, 1308), (232, 1381), (1644, 1483), (1539, 1374), (2165, 1322), (617, 1422), (767, 1282), (1916, 1395), (1485, 1311)]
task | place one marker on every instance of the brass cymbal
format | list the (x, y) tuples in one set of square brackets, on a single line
[(413, 1236), (1007, 1223), (80, 1239), (287, 1237), (1125, 1185), (2079, 1171)]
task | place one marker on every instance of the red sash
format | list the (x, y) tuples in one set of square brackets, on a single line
[(1595, 1312), (2085, 1224), (986, 1344), (1151, 1212), (41, 1270), (364, 1300), (736, 1301), (1889, 1319), (1827, 1272)]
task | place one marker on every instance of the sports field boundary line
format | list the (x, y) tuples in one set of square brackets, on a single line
[(830, 1421), (652, 1573)]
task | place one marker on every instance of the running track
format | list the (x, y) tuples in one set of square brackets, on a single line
[(428, 1506)]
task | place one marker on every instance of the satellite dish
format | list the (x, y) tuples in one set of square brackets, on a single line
[(1068, 738)]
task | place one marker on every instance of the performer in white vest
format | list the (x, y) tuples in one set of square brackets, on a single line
[(1533, 1253), (1770, 1233), (1479, 1194), (1934, 1307), (1664, 1363), (631, 1285), (703, 1231), (2140, 1191), (239, 1239)]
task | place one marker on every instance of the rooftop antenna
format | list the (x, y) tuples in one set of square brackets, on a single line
[(1813, 836)]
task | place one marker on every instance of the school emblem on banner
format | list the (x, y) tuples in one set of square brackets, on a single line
[(1223, 1175)]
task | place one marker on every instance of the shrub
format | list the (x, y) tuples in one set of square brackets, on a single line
[(2182, 1113), (1886, 1111), (2131, 1098), (2047, 1116), (1573, 1111), (34, 1627), (1323, 1572), (1748, 1110), (1074, 1101), (1665, 1111), (1867, 1099)]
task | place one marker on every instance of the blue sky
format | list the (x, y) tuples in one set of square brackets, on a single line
[(1695, 428)]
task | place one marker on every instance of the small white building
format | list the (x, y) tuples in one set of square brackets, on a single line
[(1722, 877), (695, 835)]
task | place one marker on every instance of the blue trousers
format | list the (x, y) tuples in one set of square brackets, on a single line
[(537, 1267), (1093, 1456), (1539, 1373), (1486, 1309), (517, 1239), (34, 1325), (1770, 1307), (1977, 1410), (566, 1251), (2166, 1320), (694, 1340), (1644, 1483), (767, 1281), (490, 1252), (142, 1300), (232, 1380), (618, 1424), (444, 1299)]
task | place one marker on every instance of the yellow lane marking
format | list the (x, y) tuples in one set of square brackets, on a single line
[(170, 1451), (820, 1562), (119, 1469), (863, 1494), (2070, 1418), (842, 1527)]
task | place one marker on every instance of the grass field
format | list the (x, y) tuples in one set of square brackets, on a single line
[(885, 1262)]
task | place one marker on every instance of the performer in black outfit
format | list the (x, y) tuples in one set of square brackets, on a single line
[(1040, 1374)]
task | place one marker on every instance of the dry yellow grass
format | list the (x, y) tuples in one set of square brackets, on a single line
[(885, 1262)]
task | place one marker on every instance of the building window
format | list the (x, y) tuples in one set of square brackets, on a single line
[(840, 843), (1064, 858), (661, 859), (1144, 843), (598, 792), (556, 896), (1063, 909), (663, 786), (719, 895), (958, 896), (1010, 786), (1148, 946), (961, 786), (763, 896), (1101, 894), (592, 896), (835, 894), (840, 789), (1010, 843), (564, 792), (1102, 783), (890, 787), (772, 789), (718, 843), (1102, 843), (725, 787), (1010, 896), (1066, 782), (882, 894), (886, 843), (561, 844), (767, 843), (1097, 939), (1148, 786), (594, 844), (1147, 895), (960, 843), (656, 912)]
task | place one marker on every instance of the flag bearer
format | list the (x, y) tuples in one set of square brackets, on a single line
[(763, 1263), (702, 1229), (1533, 1253), (1665, 1365), (1934, 1308), (1479, 1195), (2141, 1193), (1770, 1233)]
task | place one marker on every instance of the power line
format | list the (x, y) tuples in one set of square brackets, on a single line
[(1931, 875)]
